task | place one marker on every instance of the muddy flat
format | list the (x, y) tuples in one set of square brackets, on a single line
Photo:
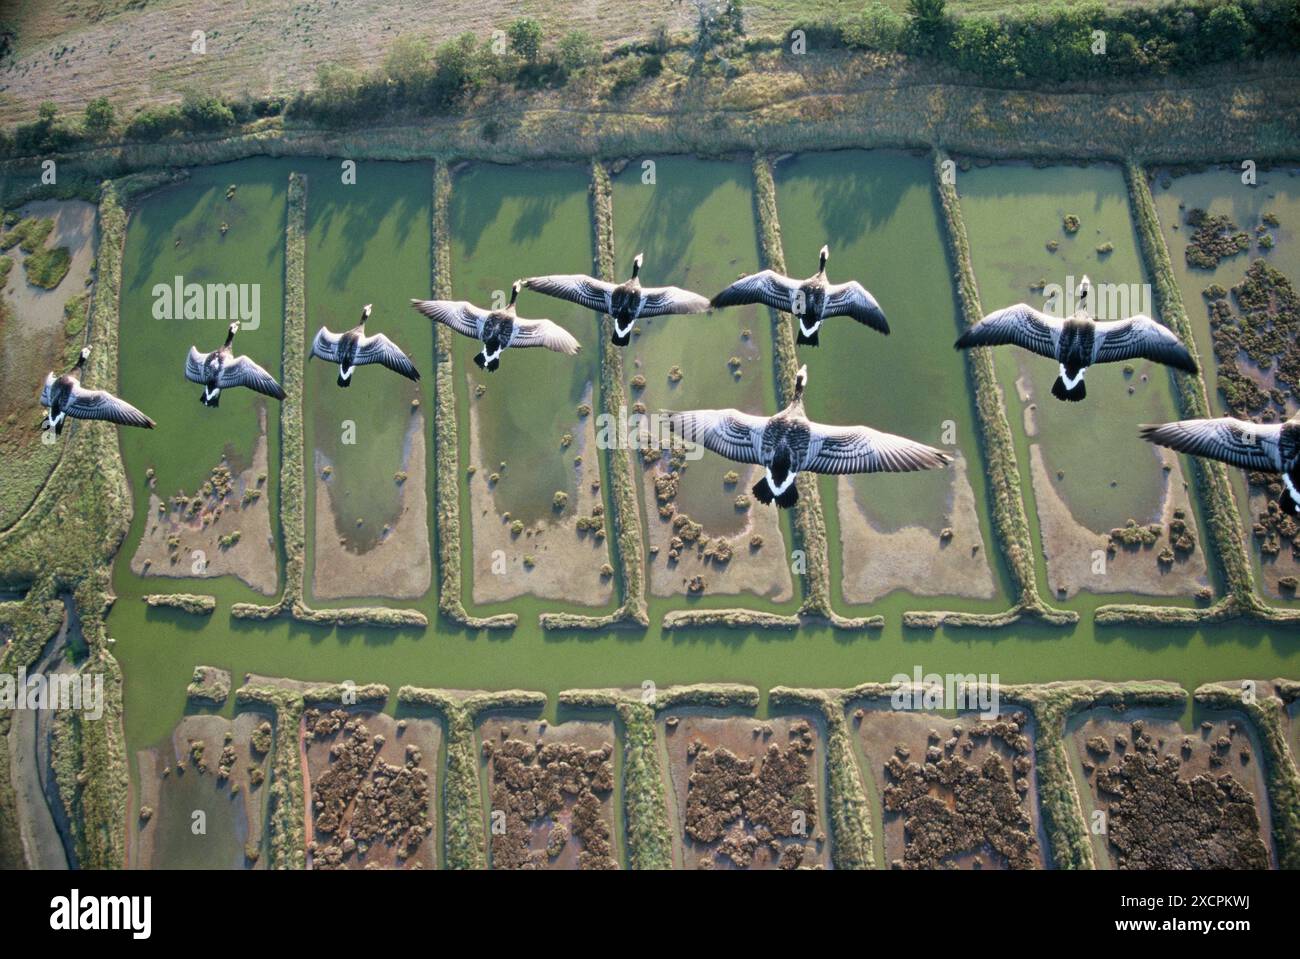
[(1171, 798), (958, 792), (746, 793), (370, 783), (551, 793), (398, 565)]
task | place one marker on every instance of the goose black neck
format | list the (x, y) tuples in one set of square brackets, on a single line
[(821, 262), (636, 268), (230, 337)]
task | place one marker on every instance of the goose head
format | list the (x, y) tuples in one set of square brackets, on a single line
[(823, 254), (365, 313), (801, 380), (231, 331), (82, 357), (636, 264)]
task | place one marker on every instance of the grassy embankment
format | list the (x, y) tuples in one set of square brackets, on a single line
[(64, 544), (1213, 486), (194, 604), (446, 429), (464, 829), (850, 809), (293, 525), (1266, 713), (629, 555), (649, 831), (286, 808), (1052, 705), (1010, 523)]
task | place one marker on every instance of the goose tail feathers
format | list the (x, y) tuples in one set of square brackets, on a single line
[(785, 499), (807, 339), (1071, 394)]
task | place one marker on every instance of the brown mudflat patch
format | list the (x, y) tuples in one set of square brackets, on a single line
[(680, 553), (399, 566), (551, 791), (747, 793), (228, 521), (235, 755), (371, 789), (878, 561), (560, 558), (955, 793), (1077, 557), (1173, 799)]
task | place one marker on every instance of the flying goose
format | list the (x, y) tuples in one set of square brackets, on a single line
[(1079, 342), (811, 300), (789, 442), (625, 302), (1261, 447), (65, 396), (353, 348), (221, 369), (498, 329)]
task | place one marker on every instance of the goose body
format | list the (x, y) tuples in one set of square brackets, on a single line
[(498, 330), (1258, 447), (624, 302), (1079, 342), (221, 369), (811, 301), (64, 396), (354, 348), (789, 443)]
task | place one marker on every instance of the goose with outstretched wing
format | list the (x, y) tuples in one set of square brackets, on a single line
[(789, 443), (498, 330), (811, 301), (354, 348), (1079, 342), (222, 370), (64, 397), (624, 302), (1258, 447)]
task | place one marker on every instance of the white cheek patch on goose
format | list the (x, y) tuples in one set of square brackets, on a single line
[(778, 489), (1072, 383)]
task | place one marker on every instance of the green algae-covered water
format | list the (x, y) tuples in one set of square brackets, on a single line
[(159, 648), (1094, 456), (877, 212)]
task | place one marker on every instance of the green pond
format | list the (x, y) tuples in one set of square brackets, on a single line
[(1221, 192), (508, 224), (158, 648), (877, 211), (1094, 456), (367, 242)]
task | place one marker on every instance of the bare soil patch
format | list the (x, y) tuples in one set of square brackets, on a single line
[(235, 755), (955, 792), (747, 793), (564, 558), (877, 561), (1172, 799), (370, 784), (399, 566), (1072, 560), (228, 521), (552, 793), (679, 553)]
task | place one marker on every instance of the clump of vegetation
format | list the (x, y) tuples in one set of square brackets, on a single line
[(1215, 238), (1070, 223), (675, 374), (531, 783), (744, 803), (559, 501), (1105, 249), (730, 478)]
